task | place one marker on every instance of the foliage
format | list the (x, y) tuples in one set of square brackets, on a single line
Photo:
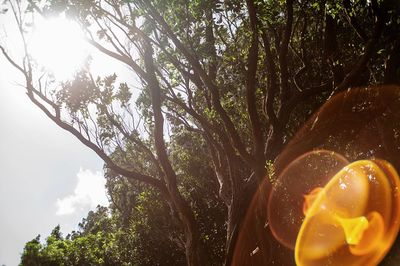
[(101, 242)]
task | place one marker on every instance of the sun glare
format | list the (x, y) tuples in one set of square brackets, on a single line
[(58, 45)]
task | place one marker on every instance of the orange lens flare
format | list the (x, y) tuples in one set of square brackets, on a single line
[(375, 230), (354, 219), (353, 228), (303, 176), (310, 198)]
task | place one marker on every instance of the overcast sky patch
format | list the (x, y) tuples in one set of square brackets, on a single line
[(88, 193)]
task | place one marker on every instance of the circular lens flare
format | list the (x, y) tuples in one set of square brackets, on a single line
[(354, 219), (295, 190)]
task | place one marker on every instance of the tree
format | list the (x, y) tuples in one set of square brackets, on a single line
[(86, 249), (30, 255), (241, 76), (103, 240)]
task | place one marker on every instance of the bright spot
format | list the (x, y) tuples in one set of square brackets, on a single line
[(57, 44), (89, 192)]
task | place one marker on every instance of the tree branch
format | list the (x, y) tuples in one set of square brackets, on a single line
[(251, 82), (369, 50), (158, 118), (283, 52), (272, 86), (353, 21), (108, 161), (236, 140)]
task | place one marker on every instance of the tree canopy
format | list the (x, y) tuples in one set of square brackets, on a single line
[(220, 89)]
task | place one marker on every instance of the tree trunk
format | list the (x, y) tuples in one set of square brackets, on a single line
[(237, 218), (194, 250)]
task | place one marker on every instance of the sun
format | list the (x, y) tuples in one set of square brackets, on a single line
[(58, 45)]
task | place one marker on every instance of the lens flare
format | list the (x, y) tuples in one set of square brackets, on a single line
[(310, 198), (286, 203), (354, 223), (354, 219)]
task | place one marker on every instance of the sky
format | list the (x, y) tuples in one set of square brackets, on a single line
[(47, 177)]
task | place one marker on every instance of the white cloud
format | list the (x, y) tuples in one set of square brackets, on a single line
[(88, 193)]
